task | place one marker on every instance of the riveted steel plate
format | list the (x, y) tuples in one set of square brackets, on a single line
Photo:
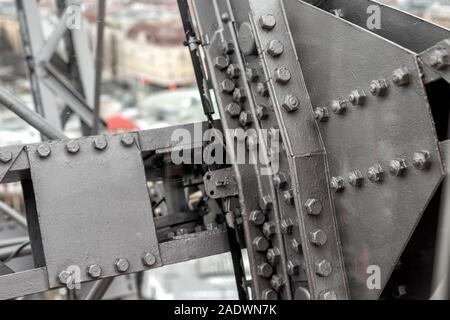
[(376, 220), (93, 207)]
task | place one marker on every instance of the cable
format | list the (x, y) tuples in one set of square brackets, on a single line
[(17, 251)]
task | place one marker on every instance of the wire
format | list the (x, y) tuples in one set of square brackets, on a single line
[(17, 251)]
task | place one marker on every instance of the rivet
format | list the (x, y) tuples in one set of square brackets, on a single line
[(282, 75), (122, 265), (225, 17), (6, 156), (267, 22), (94, 271), (422, 160), (100, 143), (323, 268), (44, 150), (149, 259), (72, 147), (398, 167), (313, 207)]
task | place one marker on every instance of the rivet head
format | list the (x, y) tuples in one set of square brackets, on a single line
[(287, 226), (293, 269), (233, 71), (261, 112), (233, 109), (267, 22), (280, 180), (6, 156), (100, 143), (44, 150), (440, 58), (323, 268), (378, 87), (262, 90), (375, 173), (398, 167), (149, 259), (239, 95), (357, 97), (313, 207), (277, 282), (94, 271), (322, 114), (282, 75), (291, 103), (288, 197), (269, 229), (339, 106), (221, 62), (356, 179), (122, 265), (245, 118), (127, 140), (337, 184), (264, 270), (257, 217), (269, 294), (72, 147), (296, 245), (401, 76), (422, 160), (328, 295), (318, 237), (227, 86), (275, 48), (273, 256), (260, 244)]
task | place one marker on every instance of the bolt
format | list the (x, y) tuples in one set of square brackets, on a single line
[(221, 62), (275, 48), (267, 22), (339, 106), (318, 237), (440, 59), (94, 271), (355, 178), (225, 17), (227, 47), (296, 245), (269, 294), (293, 269), (64, 276), (378, 87), (6, 156), (127, 140), (245, 118), (72, 147), (286, 226), (269, 229), (337, 184), (264, 270), (100, 143), (239, 95), (273, 256), (401, 76), (227, 86), (328, 295), (149, 259), (262, 90), (375, 173), (233, 109), (266, 203), (357, 97), (233, 71), (398, 167), (323, 268), (422, 160), (291, 103), (322, 114), (251, 74), (288, 197), (276, 282), (280, 180), (261, 112), (44, 150), (122, 265), (257, 217), (313, 207), (282, 75), (260, 244)]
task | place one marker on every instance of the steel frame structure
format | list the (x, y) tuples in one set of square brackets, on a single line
[(361, 116)]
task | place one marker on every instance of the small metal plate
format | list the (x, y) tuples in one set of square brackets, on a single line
[(93, 207), (221, 183)]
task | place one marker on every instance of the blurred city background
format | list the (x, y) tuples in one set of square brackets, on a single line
[(148, 82)]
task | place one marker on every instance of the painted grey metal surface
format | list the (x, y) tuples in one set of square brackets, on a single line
[(375, 219), (220, 183), (23, 283)]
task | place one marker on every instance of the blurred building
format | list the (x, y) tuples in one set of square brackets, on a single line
[(439, 13)]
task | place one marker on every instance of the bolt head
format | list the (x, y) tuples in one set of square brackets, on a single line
[(293, 269), (440, 58), (233, 109), (227, 47), (358, 97), (291, 103), (6, 156), (122, 265), (296, 245), (375, 173), (262, 90), (378, 87), (257, 217), (422, 160), (100, 143), (398, 167), (323, 268), (318, 237), (401, 76), (282, 75), (288, 197), (273, 256), (221, 62), (328, 295), (322, 114), (266, 203), (260, 244), (261, 112), (276, 282), (227, 86), (233, 71), (313, 207), (264, 270), (280, 180), (239, 95), (339, 106), (269, 294), (286, 226), (251, 74), (267, 22), (245, 118), (302, 293), (149, 259), (64, 276), (44, 150), (337, 184), (269, 229), (72, 147), (127, 140), (356, 179), (94, 271), (275, 48)]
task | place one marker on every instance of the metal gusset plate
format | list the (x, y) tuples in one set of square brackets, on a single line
[(381, 143), (436, 61), (8, 156), (93, 206), (216, 24), (310, 191), (220, 183)]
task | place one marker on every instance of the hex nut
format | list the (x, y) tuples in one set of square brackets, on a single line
[(44, 150), (233, 71), (273, 256), (313, 207), (127, 140), (356, 179), (322, 114), (227, 47), (122, 265), (262, 89), (288, 197), (227, 86), (287, 226), (291, 103), (358, 97), (378, 87), (149, 259), (269, 294), (245, 118), (269, 229), (64, 276), (275, 48), (375, 173), (323, 268), (267, 22), (251, 74), (239, 95), (221, 62), (100, 143), (257, 217), (318, 237), (264, 270), (398, 167), (282, 75), (293, 269), (261, 112), (277, 282), (328, 295), (233, 109), (94, 271), (339, 106), (296, 245), (401, 76), (280, 180), (260, 244), (422, 160), (6, 156), (72, 147), (440, 58), (338, 184)]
